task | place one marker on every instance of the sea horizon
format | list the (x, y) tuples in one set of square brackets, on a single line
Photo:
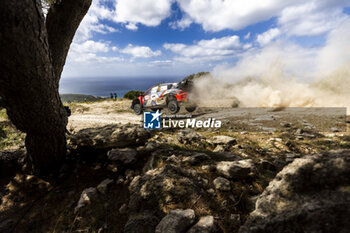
[(103, 86)]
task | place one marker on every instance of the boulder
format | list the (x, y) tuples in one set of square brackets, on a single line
[(311, 194), (110, 136), (196, 158), (124, 156), (143, 222), (188, 136), (235, 169), (86, 197), (177, 221), (223, 140), (104, 185), (222, 184), (204, 225)]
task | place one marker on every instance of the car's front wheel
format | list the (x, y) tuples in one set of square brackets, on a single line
[(173, 106), (137, 109)]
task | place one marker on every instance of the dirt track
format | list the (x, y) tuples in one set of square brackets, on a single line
[(91, 115)]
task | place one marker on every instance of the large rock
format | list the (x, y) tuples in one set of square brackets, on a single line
[(110, 136), (104, 185), (222, 184), (144, 222), (204, 225), (86, 197), (312, 194), (235, 169), (223, 140), (124, 156), (177, 221), (188, 136), (196, 158)]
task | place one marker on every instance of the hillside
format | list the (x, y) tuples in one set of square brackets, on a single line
[(79, 98)]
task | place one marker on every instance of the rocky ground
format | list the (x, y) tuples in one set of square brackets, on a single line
[(121, 178)]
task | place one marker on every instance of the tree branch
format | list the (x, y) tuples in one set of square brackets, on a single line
[(62, 21)]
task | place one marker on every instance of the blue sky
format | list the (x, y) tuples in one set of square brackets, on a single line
[(178, 37)]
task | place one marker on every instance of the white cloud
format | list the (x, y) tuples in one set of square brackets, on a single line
[(91, 52), (247, 36), (185, 22), (90, 46), (217, 15), (214, 49), (266, 37), (140, 51), (312, 18), (147, 12), (131, 26), (91, 22)]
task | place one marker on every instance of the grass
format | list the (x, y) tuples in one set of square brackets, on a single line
[(9, 135)]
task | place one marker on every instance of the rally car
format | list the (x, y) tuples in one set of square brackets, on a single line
[(165, 95)]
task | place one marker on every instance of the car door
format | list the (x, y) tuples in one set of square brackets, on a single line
[(150, 97)]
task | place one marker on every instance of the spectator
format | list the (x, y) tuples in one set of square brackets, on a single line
[(111, 95), (115, 96)]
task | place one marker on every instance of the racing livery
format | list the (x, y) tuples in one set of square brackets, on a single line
[(165, 95)]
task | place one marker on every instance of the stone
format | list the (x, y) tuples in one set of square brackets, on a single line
[(265, 164), (235, 169), (151, 146), (86, 197), (188, 136), (166, 185), (129, 174), (299, 131), (173, 159), (104, 186), (112, 168), (223, 140), (311, 194), (211, 192), (120, 179), (204, 225), (222, 184), (286, 124), (110, 136), (334, 129), (177, 221), (142, 222), (196, 158), (219, 148), (125, 156)]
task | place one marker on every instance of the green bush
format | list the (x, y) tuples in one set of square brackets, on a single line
[(196, 76), (132, 94)]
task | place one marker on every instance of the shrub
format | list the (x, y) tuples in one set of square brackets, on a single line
[(132, 94)]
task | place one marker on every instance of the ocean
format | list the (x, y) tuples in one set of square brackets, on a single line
[(99, 86)]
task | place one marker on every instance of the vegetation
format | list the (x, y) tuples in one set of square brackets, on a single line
[(68, 98), (9, 135), (132, 94), (191, 77)]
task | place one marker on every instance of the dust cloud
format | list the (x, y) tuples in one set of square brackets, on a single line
[(283, 74)]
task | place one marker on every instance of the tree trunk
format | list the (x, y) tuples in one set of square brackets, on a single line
[(29, 80)]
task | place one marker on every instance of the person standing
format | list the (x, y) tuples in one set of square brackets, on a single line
[(111, 95), (115, 95)]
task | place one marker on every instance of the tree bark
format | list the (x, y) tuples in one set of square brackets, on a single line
[(60, 32), (29, 80)]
